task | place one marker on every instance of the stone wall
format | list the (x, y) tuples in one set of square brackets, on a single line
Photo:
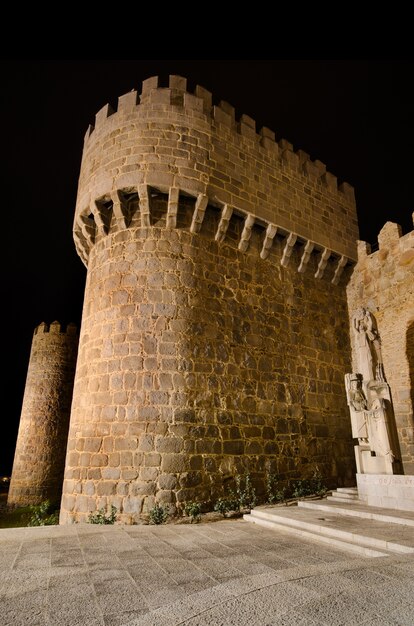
[(214, 335), (41, 442), (177, 140), (383, 282), (198, 361)]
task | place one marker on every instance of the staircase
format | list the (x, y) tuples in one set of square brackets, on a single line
[(342, 520), (344, 494)]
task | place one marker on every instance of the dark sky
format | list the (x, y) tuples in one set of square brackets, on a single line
[(355, 116)]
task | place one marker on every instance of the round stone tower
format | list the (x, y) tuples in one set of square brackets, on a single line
[(214, 335), (41, 442)]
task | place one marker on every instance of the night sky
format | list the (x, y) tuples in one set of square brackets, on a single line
[(355, 116)]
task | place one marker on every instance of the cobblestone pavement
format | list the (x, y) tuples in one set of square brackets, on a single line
[(221, 573)]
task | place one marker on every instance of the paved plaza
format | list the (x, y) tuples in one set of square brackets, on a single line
[(222, 573)]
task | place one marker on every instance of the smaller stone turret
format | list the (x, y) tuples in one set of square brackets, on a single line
[(41, 442)]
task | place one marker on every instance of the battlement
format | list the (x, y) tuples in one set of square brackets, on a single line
[(390, 237), (179, 143), (56, 328), (201, 102)]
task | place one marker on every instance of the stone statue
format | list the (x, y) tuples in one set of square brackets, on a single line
[(370, 422), (357, 396), (369, 400), (358, 407), (378, 429), (368, 345)]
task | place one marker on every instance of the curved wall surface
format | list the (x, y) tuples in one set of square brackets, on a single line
[(214, 334), (41, 442)]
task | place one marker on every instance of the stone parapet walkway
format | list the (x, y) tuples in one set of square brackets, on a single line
[(223, 573)]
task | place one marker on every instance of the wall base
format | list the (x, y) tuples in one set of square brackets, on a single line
[(387, 491)]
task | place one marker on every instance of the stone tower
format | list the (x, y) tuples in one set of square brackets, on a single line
[(214, 335), (41, 442)]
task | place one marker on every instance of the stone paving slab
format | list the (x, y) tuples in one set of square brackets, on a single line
[(222, 573)]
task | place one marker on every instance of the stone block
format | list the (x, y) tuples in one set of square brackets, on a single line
[(110, 473), (152, 459), (146, 443), (92, 444), (168, 444), (140, 488), (132, 504), (166, 481), (106, 488), (174, 463), (126, 443), (389, 235), (233, 447), (148, 473), (178, 82), (129, 474), (126, 458), (205, 96)]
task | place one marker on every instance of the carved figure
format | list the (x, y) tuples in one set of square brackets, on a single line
[(357, 406), (378, 434), (368, 345)]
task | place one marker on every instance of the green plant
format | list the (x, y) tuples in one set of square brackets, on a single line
[(158, 514), (319, 486), (273, 493), (100, 517), (43, 514), (244, 496), (193, 510), (225, 505), (301, 488)]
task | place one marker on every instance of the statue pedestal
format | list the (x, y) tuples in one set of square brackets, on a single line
[(387, 491), (368, 464)]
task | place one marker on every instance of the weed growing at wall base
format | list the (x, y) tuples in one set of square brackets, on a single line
[(242, 497), (43, 514), (100, 517), (193, 510), (158, 514), (274, 493), (245, 493)]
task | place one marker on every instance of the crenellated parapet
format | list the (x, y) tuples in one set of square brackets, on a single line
[(390, 239), (56, 328), (175, 142)]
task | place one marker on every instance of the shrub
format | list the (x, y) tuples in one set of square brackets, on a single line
[(158, 514), (244, 496), (100, 516), (314, 486), (301, 488), (193, 510), (319, 486), (225, 505), (43, 514), (273, 493)]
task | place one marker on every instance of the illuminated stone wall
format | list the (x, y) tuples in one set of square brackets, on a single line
[(214, 336), (383, 282), (41, 442)]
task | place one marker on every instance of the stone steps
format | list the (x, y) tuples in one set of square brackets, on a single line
[(355, 529), (362, 511), (344, 494)]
